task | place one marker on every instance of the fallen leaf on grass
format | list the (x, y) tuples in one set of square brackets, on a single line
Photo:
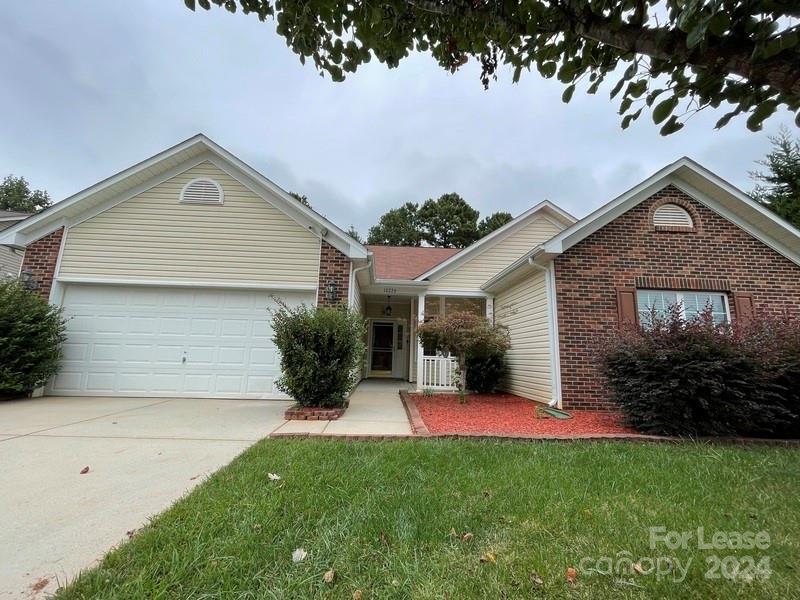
[(535, 579), (489, 557), (329, 576), (467, 537), (357, 595), (572, 575), (638, 568), (299, 555), (84, 470), (274, 476)]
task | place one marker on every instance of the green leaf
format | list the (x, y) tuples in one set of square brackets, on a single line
[(548, 69), (664, 109), (615, 90), (725, 118), (762, 112), (671, 126), (719, 23), (567, 95), (630, 118), (651, 97), (697, 34), (637, 88)]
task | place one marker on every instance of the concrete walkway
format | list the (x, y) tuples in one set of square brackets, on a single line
[(375, 409)]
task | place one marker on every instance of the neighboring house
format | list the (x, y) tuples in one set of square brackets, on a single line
[(167, 269), (10, 260)]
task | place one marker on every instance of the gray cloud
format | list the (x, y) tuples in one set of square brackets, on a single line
[(92, 89)]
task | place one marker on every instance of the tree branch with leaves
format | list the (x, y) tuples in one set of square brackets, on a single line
[(673, 57)]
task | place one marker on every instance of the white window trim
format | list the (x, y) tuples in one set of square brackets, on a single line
[(679, 296), (213, 182)]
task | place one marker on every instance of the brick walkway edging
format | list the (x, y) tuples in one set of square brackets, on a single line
[(418, 426), (420, 431)]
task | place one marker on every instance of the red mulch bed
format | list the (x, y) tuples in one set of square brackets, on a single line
[(505, 414)]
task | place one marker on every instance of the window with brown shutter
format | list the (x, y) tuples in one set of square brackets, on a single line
[(626, 306)]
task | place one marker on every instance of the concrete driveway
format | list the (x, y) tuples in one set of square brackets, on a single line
[(142, 454)]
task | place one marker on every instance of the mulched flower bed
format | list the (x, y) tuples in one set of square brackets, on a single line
[(505, 414)]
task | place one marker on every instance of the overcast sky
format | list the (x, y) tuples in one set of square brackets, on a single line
[(90, 88)]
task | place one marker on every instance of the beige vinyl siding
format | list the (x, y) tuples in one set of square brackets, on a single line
[(154, 236), (9, 262), (523, 309), (470, 275), (356, 306)]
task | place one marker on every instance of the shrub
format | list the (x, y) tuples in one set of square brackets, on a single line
[(698, 378), (31, 334), (485, 371), (321, 353), (464, 334)]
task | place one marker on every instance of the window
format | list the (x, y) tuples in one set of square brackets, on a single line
[(202, 191), (691, 304), (672, 215)]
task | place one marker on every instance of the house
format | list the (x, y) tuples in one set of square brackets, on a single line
[(10, 260), (167, 270)]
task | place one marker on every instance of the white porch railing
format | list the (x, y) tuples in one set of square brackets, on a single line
[(439, 372)]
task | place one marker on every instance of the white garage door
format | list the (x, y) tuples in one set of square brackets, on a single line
[(154, 341)]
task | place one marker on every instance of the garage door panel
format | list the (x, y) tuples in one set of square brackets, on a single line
[(132, 340)]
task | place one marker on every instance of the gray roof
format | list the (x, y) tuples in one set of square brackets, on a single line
[(10, 214)]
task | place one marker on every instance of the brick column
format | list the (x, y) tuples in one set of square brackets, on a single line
[(334, 270), (40, 261)]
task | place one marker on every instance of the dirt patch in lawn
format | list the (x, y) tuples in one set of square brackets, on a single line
[(506, 414)]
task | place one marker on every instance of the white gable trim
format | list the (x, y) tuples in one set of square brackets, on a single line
[(718, 208), (497, 236), (51, 219), (666, 176), (140, 189)]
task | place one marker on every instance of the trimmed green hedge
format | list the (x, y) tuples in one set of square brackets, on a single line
[(321, 353), (31, 334)]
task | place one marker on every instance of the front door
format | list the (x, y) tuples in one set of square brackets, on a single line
[(382, 357)]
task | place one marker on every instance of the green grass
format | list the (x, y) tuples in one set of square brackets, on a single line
[(381, 515)]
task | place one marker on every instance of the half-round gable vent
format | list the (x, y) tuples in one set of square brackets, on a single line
[(672, 215), (202, 191)]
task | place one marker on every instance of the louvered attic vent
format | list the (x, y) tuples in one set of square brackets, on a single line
[(202, 191), (672, 215)]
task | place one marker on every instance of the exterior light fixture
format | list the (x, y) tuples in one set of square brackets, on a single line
[(331, 291)]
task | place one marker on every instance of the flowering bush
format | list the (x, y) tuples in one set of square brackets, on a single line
[(695, 377), (321, 353), (31, 334), (464, 335)]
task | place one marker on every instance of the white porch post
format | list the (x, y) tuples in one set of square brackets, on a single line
[(490, 309), (420, 349)]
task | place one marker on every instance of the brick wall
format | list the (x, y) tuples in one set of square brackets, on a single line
[(40, 261), (628, 252), (334, 268)]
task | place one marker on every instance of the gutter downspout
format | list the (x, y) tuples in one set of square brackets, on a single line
[(552, 325), (353, 274)]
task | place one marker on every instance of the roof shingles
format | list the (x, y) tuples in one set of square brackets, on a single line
[(407, 262)]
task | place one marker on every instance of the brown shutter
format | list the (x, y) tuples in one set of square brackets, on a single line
[(626, 306), (744, 307)]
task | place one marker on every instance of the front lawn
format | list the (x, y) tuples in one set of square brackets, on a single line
[(389, 518)]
